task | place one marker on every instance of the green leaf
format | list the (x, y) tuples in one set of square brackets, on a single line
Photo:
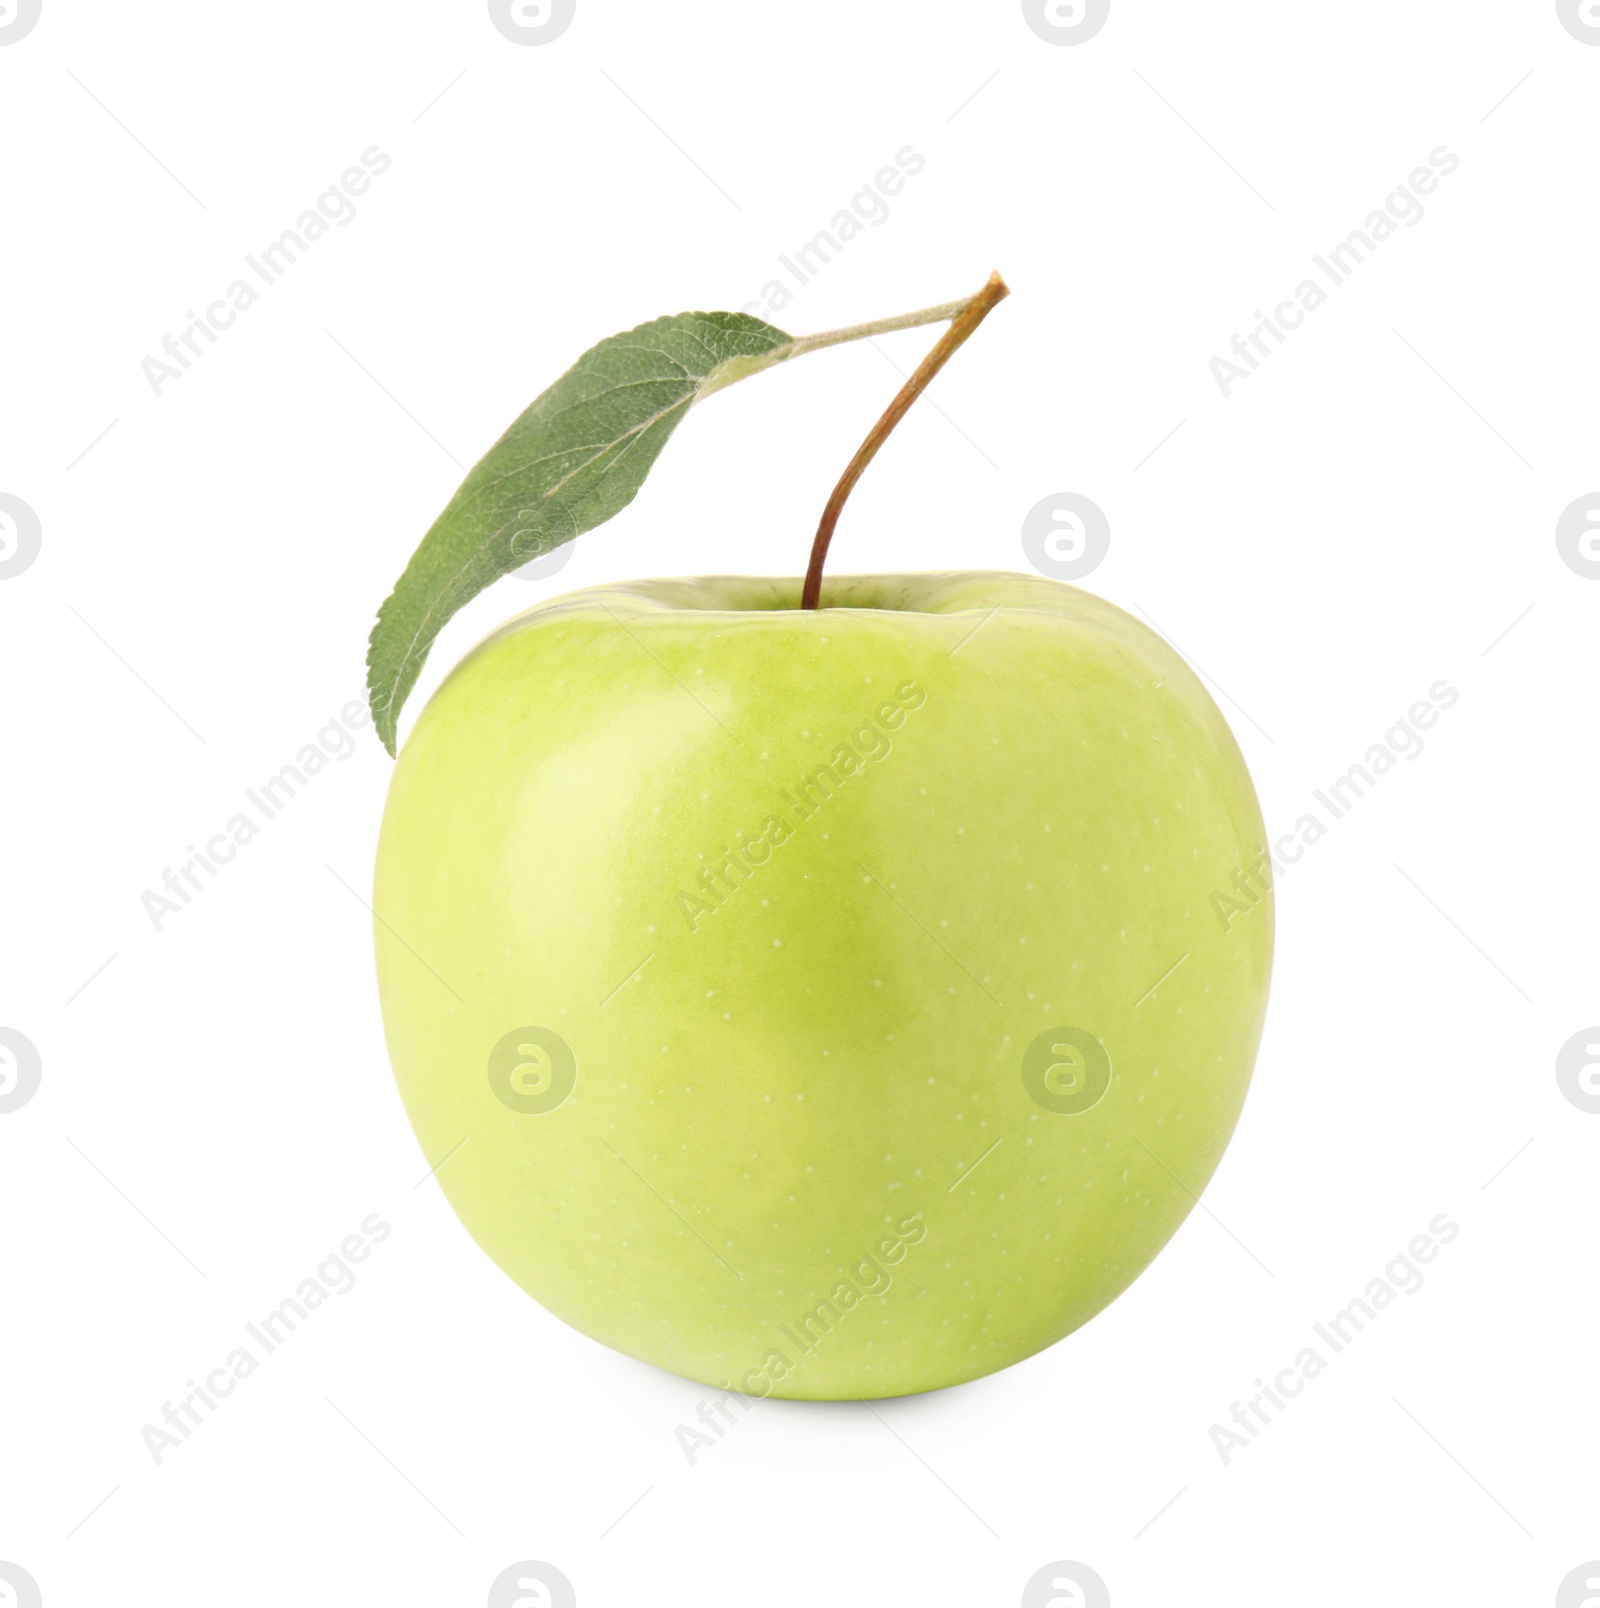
[(575, 458)]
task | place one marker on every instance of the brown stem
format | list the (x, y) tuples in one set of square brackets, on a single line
[(961, 326)]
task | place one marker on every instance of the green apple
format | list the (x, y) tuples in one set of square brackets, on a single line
[(823, 1003)]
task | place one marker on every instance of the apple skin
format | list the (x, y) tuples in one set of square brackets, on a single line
[(800, 1157)]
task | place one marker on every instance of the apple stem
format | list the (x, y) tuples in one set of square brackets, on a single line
[(965, 318)]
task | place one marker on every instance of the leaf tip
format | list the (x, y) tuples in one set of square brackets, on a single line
[(380, 691)]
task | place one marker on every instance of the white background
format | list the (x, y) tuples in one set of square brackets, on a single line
[(1373, 511)]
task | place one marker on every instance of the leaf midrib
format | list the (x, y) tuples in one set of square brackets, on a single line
[(444, 592)]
